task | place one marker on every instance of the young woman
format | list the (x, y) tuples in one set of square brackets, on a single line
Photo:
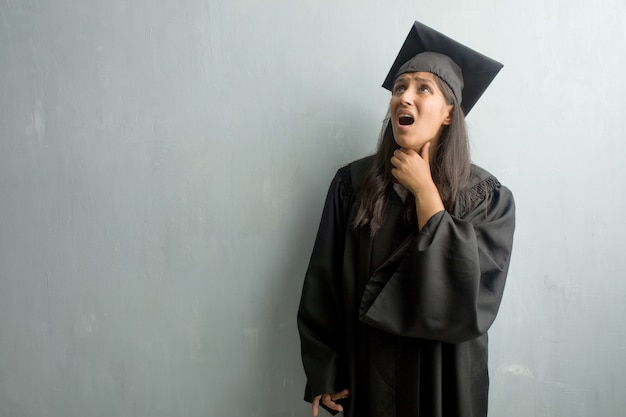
[(412, 253)]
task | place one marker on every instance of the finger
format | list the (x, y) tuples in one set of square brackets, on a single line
[(341, 395), (338, 396), (402, 153), (328, 402), (315, 404)]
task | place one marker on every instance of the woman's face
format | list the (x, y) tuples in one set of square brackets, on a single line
[(418, 110)]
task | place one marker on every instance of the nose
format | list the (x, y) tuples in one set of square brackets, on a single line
[(407, 96)]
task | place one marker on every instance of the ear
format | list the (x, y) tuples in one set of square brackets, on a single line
[(448, 115)]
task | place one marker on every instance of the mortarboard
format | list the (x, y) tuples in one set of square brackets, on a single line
[(478, 70)]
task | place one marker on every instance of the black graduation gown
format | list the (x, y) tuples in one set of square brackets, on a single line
[(401, 319)]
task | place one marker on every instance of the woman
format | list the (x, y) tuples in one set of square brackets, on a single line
[(412, 252)]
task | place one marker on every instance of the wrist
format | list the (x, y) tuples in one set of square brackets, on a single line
[(427, 204), (426, 195)]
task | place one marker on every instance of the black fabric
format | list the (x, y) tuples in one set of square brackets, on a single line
[(478, 70), (440, 65), (401, 319)]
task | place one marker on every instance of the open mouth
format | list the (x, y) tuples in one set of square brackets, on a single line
[(405, 120)]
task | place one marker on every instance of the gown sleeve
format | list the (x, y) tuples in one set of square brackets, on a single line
[(320, 314), (446, 281)]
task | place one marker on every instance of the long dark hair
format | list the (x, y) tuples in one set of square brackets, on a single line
[(450, 169)]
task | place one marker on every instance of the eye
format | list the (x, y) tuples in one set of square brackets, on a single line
[(398, 89), (424, 88)]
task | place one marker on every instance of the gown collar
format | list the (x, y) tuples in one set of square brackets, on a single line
[(401, 191)]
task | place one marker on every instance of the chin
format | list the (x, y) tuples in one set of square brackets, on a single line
[(409, 144), (401, 140)]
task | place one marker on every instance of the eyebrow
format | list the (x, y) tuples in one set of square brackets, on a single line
[(403, 77)]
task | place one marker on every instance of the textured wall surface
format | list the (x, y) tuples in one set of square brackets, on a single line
[(163, 165)]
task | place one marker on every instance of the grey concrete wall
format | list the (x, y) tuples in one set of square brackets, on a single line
[(163, 165)]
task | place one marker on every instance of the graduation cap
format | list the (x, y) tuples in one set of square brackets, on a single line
[(466, 71)]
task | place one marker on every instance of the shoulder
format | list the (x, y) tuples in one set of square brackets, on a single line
[(483, 189), (361, 166), (358, 171), (351, 176), (479, 175)]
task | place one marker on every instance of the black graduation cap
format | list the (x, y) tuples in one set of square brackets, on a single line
[(478, 70)]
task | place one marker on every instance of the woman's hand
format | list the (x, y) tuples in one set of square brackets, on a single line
[(329, 401), (412, 170)]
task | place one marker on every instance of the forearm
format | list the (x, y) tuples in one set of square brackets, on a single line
[(427, 204)]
